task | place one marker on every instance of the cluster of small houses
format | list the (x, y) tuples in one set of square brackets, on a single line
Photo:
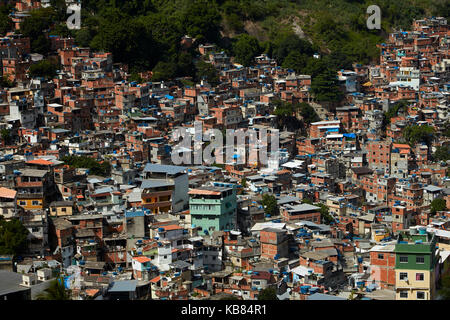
[(154, 230)]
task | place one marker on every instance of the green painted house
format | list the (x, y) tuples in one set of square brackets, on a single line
[(213, 208), (416, 265)]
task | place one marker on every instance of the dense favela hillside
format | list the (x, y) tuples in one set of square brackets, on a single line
[(348, 197), (146, 34)]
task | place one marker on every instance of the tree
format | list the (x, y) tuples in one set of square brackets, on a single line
[(325, 215), (442, 153), (415, 134), (96, 168), (207, 71), (201, 20), (295, 61), (325, 87), (13, 236), (6, 23), (5, 82), (44, 68), (164, 71), (285, 112), (291, 45), (126, 38), (229, 297), (244, 183), (40, 20), (269, 293), (308, 113), (185, 65), (399, 107), (135, 77), (245, 49), (55, 291), (444, 292), (438, 205), (6, 136), (270, 204)]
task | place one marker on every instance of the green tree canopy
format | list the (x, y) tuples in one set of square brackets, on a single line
[(325, 215), (417, 134), (268, 293), (6, 23), (13, 236), (201, 20), (34, 26), (44, 68), (95, 168), (5, 134), (164, 71), (207, 71), (325, 87), (308, 113), (270, 204), (288, 44), (285, 111), (125, 37), (438, 204), (245, 49), (295, 61), (444, 292), (393, 111), (55, 291), (442, 153)]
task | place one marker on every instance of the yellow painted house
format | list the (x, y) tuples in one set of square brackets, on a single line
[(30, 186), (416, 264)]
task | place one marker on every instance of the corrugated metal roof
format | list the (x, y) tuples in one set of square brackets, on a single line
[(159, 168), (123, 286)]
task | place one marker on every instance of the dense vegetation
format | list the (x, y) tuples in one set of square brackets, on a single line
[(444, 292), (270, 204), (288, 115), (442, 153), (146, 34), (95, 168), (437, 205), (394, 111), (6, 23), (55, 291), (418, 134), (44, 68), (268, 293), (13, 236)]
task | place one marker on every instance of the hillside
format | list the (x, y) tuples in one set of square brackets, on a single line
[(146, 33)]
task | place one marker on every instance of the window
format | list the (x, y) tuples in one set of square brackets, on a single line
[(22, 203), (419, 276), (404, 276), (380, 256), (63, 209), (403, 259), (420, 259), (35, 203), (404, 294), (420, 295)]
